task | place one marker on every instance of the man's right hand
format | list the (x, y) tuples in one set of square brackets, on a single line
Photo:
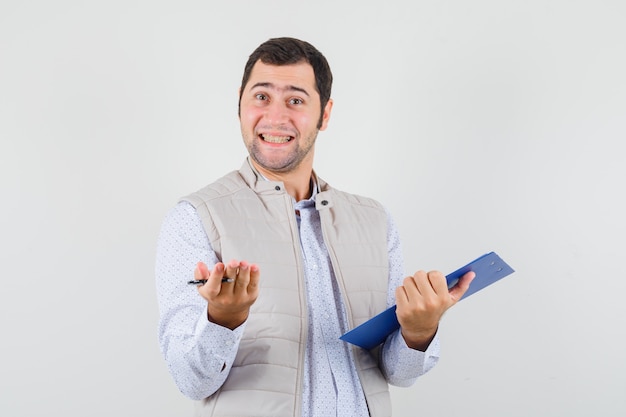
[(229, 302)]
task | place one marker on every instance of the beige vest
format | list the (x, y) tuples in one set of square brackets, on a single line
[(248, 218)]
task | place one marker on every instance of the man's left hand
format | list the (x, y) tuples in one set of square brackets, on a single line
[(421, 301)]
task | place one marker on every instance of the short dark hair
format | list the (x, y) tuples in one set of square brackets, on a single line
[(287, 51)]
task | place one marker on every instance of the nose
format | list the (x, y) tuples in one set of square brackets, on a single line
[(276, 113)]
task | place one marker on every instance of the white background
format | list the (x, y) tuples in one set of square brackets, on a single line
[(482, 125)]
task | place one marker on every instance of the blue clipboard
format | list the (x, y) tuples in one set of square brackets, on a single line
[(489, 268)]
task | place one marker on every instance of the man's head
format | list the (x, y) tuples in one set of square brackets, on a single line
[(288, 51), (281, 109)]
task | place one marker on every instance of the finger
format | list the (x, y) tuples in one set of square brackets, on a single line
[(243, 276), (232, 270), (416, 284), (401, 296), (212, 286), (255, 276), (225, 282), (462, 286), (201, 272), (430, 284), (438, 282)]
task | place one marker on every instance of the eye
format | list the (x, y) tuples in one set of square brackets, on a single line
[(260, 96), (296, 101)]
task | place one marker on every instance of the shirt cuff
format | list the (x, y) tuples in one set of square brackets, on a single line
[(220, 340), (403, 364), (431, 350)]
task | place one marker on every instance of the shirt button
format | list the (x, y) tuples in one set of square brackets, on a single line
[(324, 202), (277, 188)]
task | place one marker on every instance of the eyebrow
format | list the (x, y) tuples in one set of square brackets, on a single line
[(287, 88)]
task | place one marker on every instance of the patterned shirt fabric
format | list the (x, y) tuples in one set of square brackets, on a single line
[(199, 353)]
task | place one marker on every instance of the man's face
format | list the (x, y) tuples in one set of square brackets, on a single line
[(279, 115)]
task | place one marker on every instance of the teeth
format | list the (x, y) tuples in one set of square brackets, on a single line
[(276, 139)]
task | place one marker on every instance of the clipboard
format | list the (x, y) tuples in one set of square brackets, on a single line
[(489, 268)]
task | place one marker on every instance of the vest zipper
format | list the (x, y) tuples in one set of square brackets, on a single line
[(304, 329)]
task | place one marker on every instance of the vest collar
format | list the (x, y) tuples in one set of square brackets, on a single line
[(260, 184)]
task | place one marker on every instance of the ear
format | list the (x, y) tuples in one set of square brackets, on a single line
[(326, 115)]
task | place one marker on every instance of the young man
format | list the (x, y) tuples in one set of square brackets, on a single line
[(290, 265)]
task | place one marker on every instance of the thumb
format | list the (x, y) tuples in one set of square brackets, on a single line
[(461, 287)]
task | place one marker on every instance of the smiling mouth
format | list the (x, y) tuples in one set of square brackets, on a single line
[(275, 139)]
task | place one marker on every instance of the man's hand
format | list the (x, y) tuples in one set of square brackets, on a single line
[(229, 301), (421, 302)]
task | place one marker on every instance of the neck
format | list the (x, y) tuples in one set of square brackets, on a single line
[(297, 183)]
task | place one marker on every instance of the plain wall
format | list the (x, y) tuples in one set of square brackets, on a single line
[(482, 126)]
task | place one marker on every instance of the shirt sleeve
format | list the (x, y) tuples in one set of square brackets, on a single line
[(402, 365), (198, 353)]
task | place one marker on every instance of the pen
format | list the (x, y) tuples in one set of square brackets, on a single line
[(203, 281)]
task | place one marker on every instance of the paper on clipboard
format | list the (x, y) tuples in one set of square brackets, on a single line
[(489, 268)]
